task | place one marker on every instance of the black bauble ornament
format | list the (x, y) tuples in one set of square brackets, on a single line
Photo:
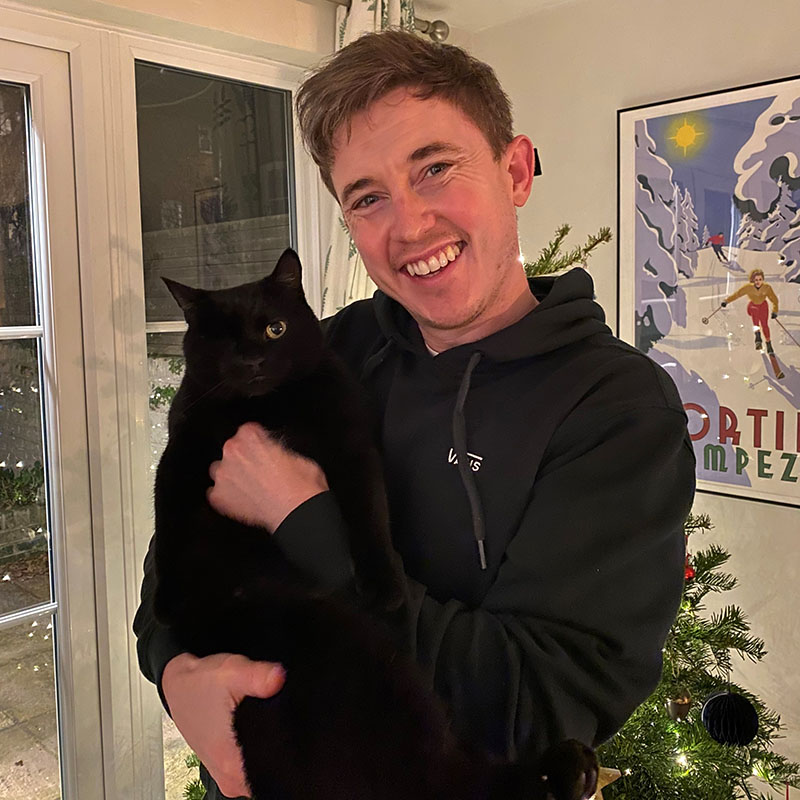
[(730, 718)]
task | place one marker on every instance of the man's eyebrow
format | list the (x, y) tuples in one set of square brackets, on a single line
[(420, 154), (432, 149), (354, 187)]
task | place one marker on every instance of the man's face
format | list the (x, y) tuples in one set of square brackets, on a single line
[(422, 193), (758, 280)]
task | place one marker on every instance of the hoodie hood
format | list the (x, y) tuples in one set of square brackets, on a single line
[(567, 313)]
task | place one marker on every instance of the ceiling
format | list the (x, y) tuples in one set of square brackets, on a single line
[(476, 15)]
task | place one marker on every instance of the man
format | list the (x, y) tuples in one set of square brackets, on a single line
[(716, 243), (538, 469), (758, 292)]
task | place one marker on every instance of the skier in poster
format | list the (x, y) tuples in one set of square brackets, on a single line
[(759, 292), (716, 244)]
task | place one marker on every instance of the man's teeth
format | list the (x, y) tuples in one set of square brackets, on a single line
[(434, 263)]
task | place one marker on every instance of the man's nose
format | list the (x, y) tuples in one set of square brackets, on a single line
[(413, 216)]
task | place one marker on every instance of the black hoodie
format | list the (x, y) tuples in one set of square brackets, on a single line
[(576, 469), (565, 453)]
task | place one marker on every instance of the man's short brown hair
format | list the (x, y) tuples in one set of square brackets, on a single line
[(377, 63)]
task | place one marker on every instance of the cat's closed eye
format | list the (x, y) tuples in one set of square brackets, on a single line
[(275, 329)]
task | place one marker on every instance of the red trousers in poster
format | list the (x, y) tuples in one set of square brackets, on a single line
[(759, 313)]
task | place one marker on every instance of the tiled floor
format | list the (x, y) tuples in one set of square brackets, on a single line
[(176, 774), (28, 740)]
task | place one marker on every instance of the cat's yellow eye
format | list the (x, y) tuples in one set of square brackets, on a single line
[(275, 329)]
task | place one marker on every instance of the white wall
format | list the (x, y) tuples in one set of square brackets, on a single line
[(568, 69), (292, 31)]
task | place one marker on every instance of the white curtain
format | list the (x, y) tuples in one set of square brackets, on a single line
[(344, 278)]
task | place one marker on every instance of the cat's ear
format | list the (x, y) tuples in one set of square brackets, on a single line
[(288, 271), (186, 296)]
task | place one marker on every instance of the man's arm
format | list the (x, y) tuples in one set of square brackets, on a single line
[(567, 641)]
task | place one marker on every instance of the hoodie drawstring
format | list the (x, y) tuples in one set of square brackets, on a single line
[(460, 446)]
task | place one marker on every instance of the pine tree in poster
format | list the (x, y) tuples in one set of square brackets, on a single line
[(664, 750), (780, 218), (687, 242)]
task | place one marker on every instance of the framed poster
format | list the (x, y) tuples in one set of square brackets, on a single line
[(709, 274)]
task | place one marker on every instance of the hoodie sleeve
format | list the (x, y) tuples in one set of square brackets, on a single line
[(568, 639), (155, 644)]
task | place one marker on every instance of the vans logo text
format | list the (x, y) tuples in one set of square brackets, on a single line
[(474, 461)]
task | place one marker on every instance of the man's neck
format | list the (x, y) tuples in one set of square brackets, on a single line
[(438, 340)]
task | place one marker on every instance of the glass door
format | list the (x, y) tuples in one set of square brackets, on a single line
[(47, 650), (217, 199)]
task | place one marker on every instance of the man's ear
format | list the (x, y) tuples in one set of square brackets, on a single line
[(186, 297), (520, 157), (288, 271)]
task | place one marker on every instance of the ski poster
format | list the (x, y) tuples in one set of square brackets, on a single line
[(709, 274)]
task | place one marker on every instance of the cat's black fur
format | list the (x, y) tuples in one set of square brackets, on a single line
[(354, 720)]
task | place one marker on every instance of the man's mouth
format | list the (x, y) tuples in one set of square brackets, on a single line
[(436, 262)]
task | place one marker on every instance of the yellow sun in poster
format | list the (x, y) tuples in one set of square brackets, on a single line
[(687, 135)]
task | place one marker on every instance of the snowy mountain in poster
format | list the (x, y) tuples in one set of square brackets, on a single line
[(717, 220)]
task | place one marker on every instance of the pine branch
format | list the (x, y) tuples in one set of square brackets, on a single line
[(552, 260)]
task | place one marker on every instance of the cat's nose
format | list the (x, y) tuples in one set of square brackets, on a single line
[(256, 362)]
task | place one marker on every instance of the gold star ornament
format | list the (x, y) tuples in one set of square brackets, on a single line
[(604, 778)]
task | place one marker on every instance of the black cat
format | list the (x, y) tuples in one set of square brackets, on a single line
[(354, 720)]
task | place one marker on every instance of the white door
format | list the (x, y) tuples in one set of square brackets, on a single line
[(49, 688)]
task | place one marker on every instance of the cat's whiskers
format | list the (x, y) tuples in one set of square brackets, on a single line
[(205, 394)]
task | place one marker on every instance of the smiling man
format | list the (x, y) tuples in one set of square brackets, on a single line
[(538, 469)]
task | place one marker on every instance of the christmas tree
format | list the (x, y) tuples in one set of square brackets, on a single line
[(662, 755)]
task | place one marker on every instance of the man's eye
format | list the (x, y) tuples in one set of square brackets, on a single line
[(437, 169), (366, 201)]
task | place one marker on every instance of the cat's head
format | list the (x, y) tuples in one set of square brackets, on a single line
[(247, 340)]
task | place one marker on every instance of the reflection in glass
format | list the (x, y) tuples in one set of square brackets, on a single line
[(215, 174), (24, 556), (16, 272), (165, 369), (28, 733)]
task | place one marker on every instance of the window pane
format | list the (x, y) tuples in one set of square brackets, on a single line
[(165, 368), (24, 557), (16, 284), (215, 174), (28, 734)]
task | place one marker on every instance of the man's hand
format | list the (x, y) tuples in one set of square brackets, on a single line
[(259, 481), (202, 694)]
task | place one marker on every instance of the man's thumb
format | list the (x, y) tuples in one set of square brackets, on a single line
[(266, 679)]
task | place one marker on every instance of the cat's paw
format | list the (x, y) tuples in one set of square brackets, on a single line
[(569, 771)]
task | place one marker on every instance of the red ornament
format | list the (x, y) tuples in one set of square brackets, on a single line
[(688, 570)]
